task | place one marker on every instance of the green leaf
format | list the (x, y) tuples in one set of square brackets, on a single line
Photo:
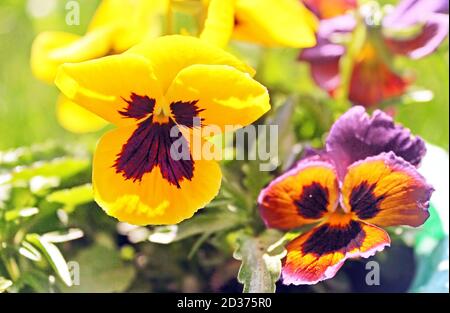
[(63, 236), (261, 261), (62, 168), (12, 215), (28, 155), (101, 269), (73, 197), (209, 221), (4, 284), (30, 252), (53, 255), (40, 185), (37, 280)]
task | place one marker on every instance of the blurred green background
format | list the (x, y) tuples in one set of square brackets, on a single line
[(27, 106)]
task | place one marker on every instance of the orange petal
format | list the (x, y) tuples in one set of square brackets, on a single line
[(385, 190), (301, 196), (325, 9), (372, 80), (318, 254)]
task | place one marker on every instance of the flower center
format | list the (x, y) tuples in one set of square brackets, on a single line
[(157, 141)]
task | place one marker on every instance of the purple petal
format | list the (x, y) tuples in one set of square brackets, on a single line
[(339, 24), (324, 62), (411, 12), (433, 33), (356, 135), (324, 57), (326, 74), (323, 51), (326, 49)]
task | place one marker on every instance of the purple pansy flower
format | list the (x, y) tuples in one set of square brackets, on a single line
[(365, 179)]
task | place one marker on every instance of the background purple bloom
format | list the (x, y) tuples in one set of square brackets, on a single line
[(428, 23), (356, 136), (431, 15)]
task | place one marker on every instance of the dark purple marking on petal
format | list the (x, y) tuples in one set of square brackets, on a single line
[(138, 107), (313, 201), (185, 112), (364, 202), (149, 146), (356, 136), (332, 238)]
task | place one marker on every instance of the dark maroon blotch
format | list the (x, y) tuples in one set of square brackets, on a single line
[(313, 201), (364, 202), (332, 238), (185, 112), (138, 107), (150, 144)]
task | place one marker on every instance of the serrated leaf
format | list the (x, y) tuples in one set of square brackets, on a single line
[(4, 284), (207, 222), (73, 197), (261, 261), (53, 255)]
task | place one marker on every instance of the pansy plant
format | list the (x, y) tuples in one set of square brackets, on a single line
[(366, 178), (157, 94)]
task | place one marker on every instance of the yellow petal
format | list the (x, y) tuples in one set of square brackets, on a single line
[(102, 85), (51, 49), (152, 200), (77, 119), (225, 95), (135, 20), (275, 23), (219, 22), (170, 54)]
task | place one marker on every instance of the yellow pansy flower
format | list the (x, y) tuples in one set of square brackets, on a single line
[(153, 93), (267, 22), (116, 26)]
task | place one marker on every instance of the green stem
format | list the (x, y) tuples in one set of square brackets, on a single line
[(169, 18), (11, 266), (347, 63)]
